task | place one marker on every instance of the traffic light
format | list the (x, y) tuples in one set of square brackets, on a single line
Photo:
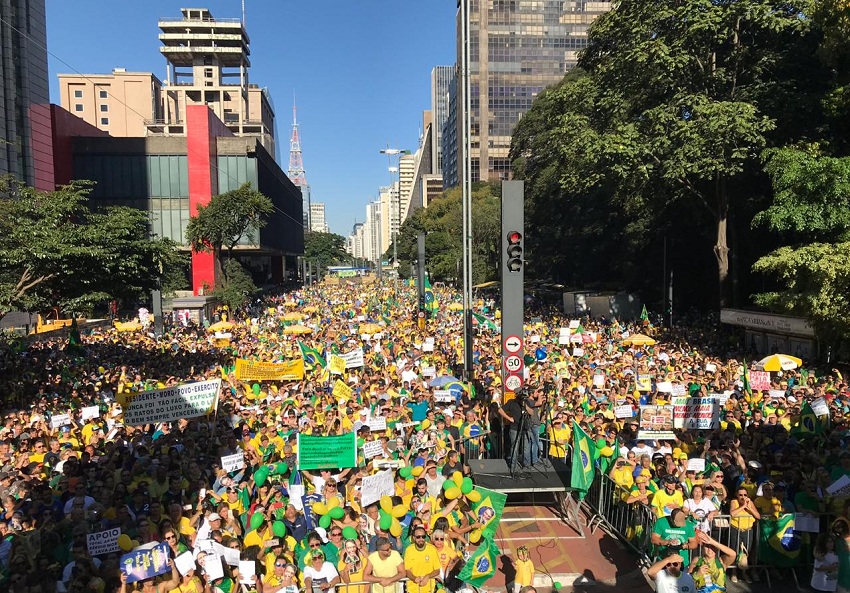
[(514, 251)]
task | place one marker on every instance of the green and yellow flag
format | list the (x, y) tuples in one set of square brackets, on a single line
[(644, 316), (808, 423), (481, 565), (745, 378), (312, 357), (779, 545), (488, 511), (431, 304), (484, 322), (584, 456)]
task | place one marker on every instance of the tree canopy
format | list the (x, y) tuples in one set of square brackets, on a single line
[(327, 248), (56, 249)]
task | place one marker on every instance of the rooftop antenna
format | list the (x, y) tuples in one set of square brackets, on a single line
[(243, 13)]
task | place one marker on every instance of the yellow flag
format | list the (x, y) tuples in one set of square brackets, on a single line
[(336, 364)]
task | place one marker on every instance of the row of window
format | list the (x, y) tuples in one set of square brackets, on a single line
[(78, 94), (104, 108)]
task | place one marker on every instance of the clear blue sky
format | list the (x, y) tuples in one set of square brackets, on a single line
[(359, 70)]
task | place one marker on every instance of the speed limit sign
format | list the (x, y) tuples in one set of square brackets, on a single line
[(513, 382), (513, 364)]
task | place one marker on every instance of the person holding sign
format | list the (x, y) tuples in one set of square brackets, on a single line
[(151, 585), (319, 576)]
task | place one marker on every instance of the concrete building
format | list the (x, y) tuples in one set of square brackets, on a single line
[(517, 49), (355, 242), (449, 141), (317, 218), (441, 78), (373, 246), (121, 104), (25, 135)]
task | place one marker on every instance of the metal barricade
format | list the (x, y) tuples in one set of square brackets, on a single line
[(632, 522)]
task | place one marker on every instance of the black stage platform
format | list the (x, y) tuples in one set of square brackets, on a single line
[(546, 476)]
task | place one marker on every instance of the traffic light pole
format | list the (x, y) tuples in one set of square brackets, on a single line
[(513, 289)]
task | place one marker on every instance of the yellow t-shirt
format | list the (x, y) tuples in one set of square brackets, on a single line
[(256, 538), (420, 563), (524, 572), (661, 499)]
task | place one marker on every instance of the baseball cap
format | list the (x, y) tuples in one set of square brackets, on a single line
[(214, 517)]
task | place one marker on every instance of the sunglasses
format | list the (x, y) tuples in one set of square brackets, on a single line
[(279, 565), (315, 545), (337, 534), (673, 564), (421, 536), (439, 539)]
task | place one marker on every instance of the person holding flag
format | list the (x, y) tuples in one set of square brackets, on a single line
[(584, 457)]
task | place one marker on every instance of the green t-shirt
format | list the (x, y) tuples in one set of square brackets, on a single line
[(843, 553), (664, 527)]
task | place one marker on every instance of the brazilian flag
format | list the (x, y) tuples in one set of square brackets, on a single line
[(779, 544), (481, 565), (431, 304), (808, 423), (745, 378), (484, 322), (312, 357), (584, 456)]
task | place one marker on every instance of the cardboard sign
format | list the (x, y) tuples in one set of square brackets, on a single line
[(57, 420), (90, 412), (233, 463), (599, 381), (759, 380), (426, 347), (378, 423), (103, 542), (696, 464), (777, 394), (353, 359), (247, 572), (185, 562), (563, 339), (189, 400), (656, 423), (664, 386), (336, 364), (376, 486), (373, 449), (710, 367), (342, 391), (443, 395), (643, 382), (429, 371), (819, 407), (623, 411), (700, 413), (141, 564)]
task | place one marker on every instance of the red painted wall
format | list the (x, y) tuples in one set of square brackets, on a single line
[(202, 129)]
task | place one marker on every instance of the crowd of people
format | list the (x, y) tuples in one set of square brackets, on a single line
[(68, 471)]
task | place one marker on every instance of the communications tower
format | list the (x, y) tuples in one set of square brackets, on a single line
[(296, 169)]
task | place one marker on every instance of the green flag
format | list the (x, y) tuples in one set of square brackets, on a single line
[(431, 304), (481, 565), (488, 511), (484, 322), (312, 357), (808, 423), (644, 316), (745, 378), (583, 458), (779, 545)]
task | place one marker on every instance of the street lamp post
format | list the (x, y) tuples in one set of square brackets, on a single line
[(390, 152)]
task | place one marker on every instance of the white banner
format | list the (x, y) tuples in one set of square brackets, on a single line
[(374, 487), (167, 405), (443, 395), (103, 542), (373, 449), (377, 423), (429, 371), (623, 411), (90, 412), (701, 413), (819, 407), (232, 463), (353, 359), (840, 488), (57, 420), (696, 464)]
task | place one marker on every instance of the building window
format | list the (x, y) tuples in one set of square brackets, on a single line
[(104, 94), (78, 94), (104, 107), (78, 107), (104, 121)]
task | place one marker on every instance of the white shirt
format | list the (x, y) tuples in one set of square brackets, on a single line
[(666, 583), (325, 574), (824, 581), (700, 512)]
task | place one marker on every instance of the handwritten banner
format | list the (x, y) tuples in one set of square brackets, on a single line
[(760, 380), (342, 390), (374, 487), (700, 413), (143, 564), (252, 370), (336, 364), (327, 452), (353, 359), (373, 449), (172, 403), (103, 542)]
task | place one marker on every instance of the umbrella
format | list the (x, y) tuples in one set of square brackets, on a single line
[(293, 316), (220, 326), (639, 340), (369, 328), (444, 380), (297, 329), (290, 304), (129, 326), (779, 362), (455, 307), (310, 309)]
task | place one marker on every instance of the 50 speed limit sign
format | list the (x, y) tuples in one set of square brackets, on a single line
[(513, 364)]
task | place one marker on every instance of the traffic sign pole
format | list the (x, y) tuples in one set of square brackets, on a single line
[(513, 291)]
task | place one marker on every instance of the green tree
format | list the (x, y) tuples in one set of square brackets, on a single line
[(237, 287), (327, 248), (57, 250), (229, 218)]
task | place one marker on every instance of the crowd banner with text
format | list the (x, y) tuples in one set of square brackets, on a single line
[(376, 486), (760, 380), (353, 359), (233, 463), (252, 370), (103, 542), (143, 564), (701, 413), (336, 364), (342, 391), (656, 422), (327, 452), (172, 403)]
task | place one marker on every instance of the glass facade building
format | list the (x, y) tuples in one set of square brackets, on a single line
[(517, 48)]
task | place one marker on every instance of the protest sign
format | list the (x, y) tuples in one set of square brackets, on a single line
[(696, 464), (778, 394), (700, 413), (172, 403), (563, 339), (577, 352), (103, 542), (373, 449), (840, 488), (376, 486), (336, 364), (377, 423), (57, 420), (656, 422), (232, 463), (679, 389), (141, 564), (429, 371), (185, 562), (247, 572), (806, 523), (664, 386), (623, 411), (599, 381), (574, 323), (252, 370), (819, 407), (760, 380), (710, 367), (342, 391), (403, 425), (426, 347), (213, 567), (353, 359), (643, 382), (90, 412), (327, 452), (443, 395)]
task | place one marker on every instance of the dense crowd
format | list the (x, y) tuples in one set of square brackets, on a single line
[(65, 478)]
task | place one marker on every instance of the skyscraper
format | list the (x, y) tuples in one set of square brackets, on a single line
[(23, 59), (317, 218), (517, 48), (441, 77)]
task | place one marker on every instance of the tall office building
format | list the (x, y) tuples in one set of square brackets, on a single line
[(450, 135), (317, 218), (441, 77), (24, 139), (517, 48)]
